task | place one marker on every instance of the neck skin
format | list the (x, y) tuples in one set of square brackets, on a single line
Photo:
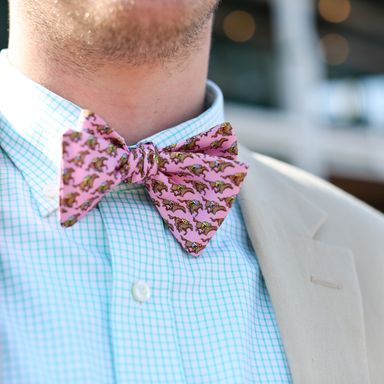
[(135, 101)]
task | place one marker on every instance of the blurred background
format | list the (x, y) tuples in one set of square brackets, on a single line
[(304, 82)]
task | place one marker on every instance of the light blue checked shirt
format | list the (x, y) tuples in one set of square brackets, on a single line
[(115, 299)]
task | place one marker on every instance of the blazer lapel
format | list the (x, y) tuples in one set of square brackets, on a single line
[(313, 285)]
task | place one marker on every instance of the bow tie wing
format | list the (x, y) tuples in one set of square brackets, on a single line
[(219, 140), (194, 192), (88, 169)]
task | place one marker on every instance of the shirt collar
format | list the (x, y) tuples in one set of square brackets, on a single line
[(33, 119)]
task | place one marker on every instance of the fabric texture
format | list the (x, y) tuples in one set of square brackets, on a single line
[(192, 183), (67, 312)]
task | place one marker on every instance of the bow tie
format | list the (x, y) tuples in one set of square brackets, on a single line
[(192, 183)]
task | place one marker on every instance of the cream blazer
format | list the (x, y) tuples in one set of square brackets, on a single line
[(321, 252)]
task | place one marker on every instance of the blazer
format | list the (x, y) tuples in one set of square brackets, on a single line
[(321, 252)]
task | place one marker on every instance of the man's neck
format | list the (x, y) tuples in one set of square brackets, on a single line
[(136, 101)]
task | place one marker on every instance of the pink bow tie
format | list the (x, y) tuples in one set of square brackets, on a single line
[(192, 183)]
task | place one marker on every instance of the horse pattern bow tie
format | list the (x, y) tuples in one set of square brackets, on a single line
[(192, 183)]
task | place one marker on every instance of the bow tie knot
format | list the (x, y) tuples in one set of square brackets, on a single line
[(138, 164)]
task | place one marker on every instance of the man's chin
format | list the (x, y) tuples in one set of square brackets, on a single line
[(137, 32)]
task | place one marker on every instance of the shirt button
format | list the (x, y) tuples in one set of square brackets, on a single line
[(51, 191), (141, 291)]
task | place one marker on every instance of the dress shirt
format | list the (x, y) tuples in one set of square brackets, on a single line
[(115, 299)]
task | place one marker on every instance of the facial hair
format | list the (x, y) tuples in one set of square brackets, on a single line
[(93, 33)]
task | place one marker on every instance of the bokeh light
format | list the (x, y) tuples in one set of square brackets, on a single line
[(334, 11), (335, 47), (239, 26)]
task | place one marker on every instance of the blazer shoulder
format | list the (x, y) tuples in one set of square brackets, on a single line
[(320, 191)]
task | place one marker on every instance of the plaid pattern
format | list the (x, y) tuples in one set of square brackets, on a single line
[(67, 313)]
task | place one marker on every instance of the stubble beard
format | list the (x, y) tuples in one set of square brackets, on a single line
[(120, 31)]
